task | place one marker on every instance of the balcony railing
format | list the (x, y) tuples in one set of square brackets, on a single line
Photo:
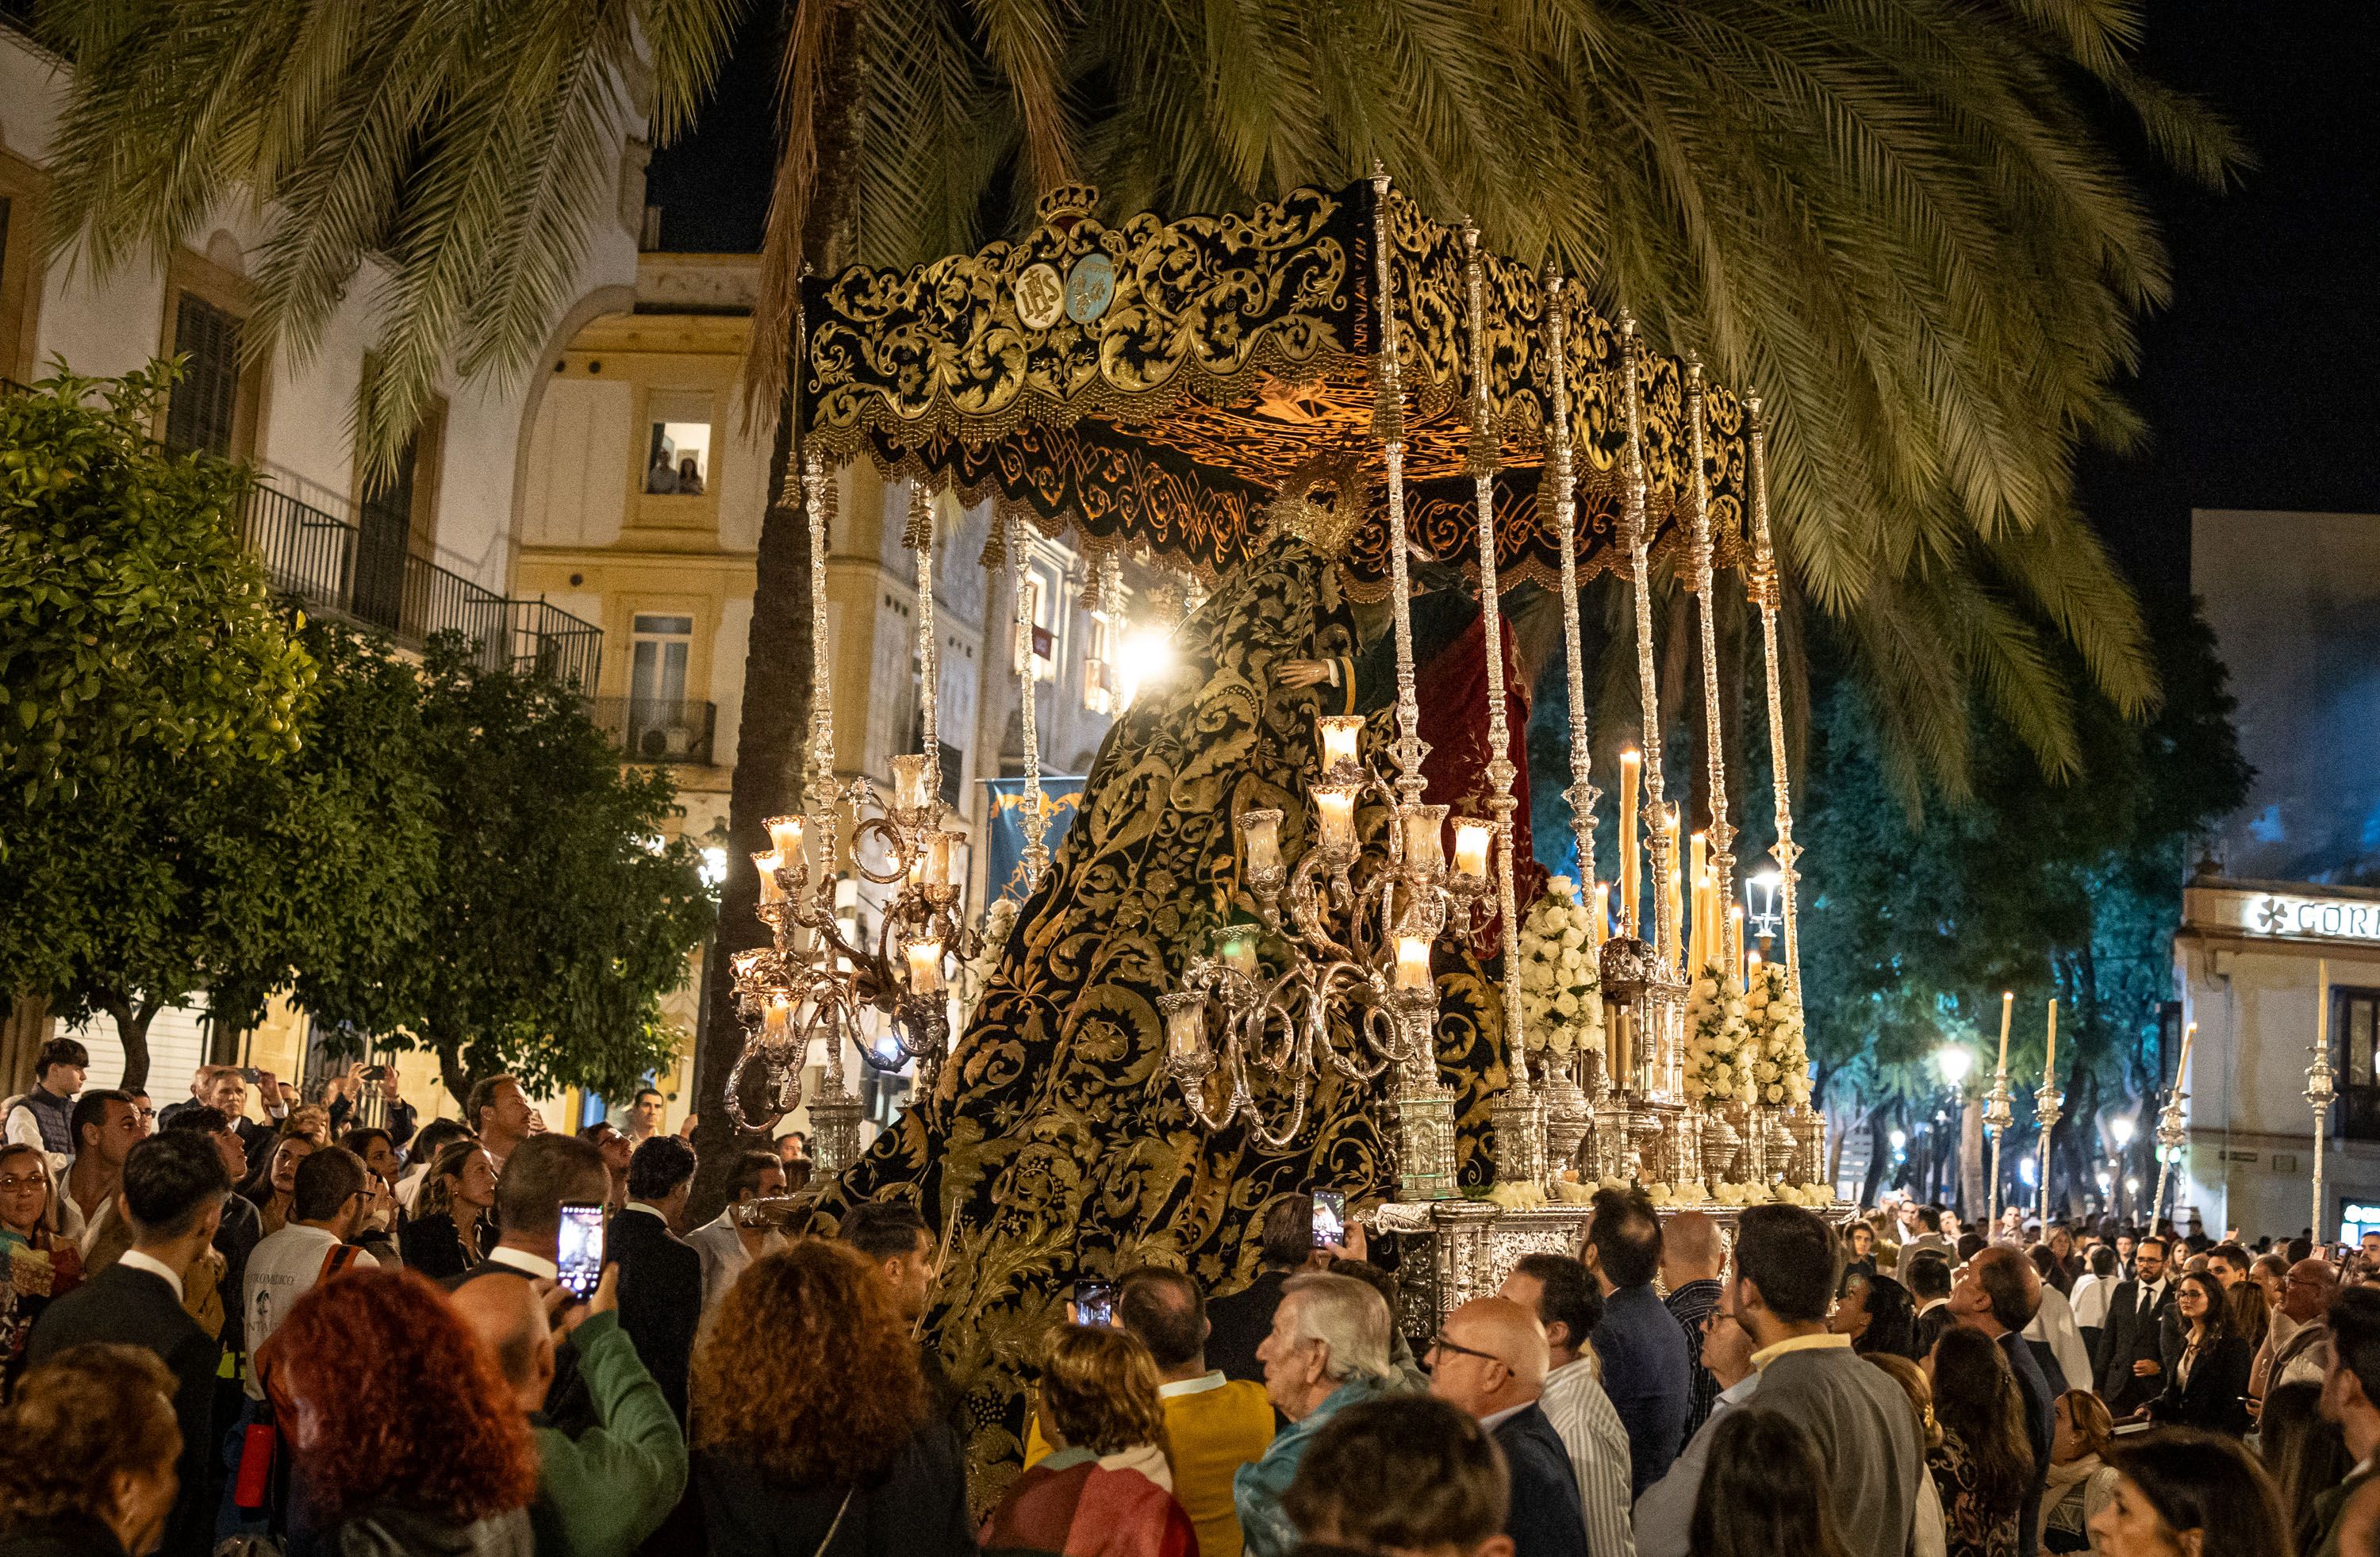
[(335, 568), (649, 730)]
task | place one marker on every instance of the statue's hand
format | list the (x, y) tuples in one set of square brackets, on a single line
[(1299, 674)]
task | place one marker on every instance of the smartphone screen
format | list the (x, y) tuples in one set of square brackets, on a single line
[(1094, 1302), (580, 1256), (1330, 1218)]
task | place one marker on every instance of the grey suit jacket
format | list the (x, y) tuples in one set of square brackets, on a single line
[(1866, 1438)]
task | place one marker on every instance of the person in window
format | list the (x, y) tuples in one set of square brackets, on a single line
[(662, 479), (689, 478)]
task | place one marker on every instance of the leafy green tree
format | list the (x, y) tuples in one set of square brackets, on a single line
[(558, 917), (1917, 920), (132, 623)]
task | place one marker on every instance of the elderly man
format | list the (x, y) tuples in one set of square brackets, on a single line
[(1998, 1294), (1564, 1296), (1490, 1359), (1666, 1512), (2297, 1347), (1693, 1255), (1327, 1350)]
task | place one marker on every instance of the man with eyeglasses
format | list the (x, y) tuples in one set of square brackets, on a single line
[(1666, 1510), (1490, 1359), (2296, 1345)]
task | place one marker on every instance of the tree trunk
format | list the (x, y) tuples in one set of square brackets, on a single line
[(773, 725), (1975, 1199), (132, 1019), (452, 1072)]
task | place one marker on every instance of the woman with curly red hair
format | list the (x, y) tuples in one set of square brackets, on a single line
[(812, 1432), (406, 1439)]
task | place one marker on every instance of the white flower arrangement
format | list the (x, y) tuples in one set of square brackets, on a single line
[(976, 971), (1778, 1050), (1561, 988), (1517, 1197), (1719, 1057)]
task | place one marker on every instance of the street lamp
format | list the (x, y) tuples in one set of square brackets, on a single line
[(1954, 1063), (2121, 1131), (1760, 905)]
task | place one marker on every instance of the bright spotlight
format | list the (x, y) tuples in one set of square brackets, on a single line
[(1954, 1063), (2122, 1131), (1900, 1139), (714, 867), (1144, 658)]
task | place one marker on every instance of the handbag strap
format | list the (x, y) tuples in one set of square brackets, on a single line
[(840, 1510)]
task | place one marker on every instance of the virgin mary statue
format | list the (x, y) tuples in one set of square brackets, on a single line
[(1054, 1147)]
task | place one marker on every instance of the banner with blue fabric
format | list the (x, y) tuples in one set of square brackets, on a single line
[(1004, 849)]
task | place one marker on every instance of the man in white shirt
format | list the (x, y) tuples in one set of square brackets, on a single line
[(1567, 1300), (725, 1244), (334, 1197), (643, 1120), (1666, 1510)]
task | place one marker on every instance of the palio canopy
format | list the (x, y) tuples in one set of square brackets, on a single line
[(1156, 383)]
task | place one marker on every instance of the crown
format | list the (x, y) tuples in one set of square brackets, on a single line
[(1327, 530), (1066, 204)]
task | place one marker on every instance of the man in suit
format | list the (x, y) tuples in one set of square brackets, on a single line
[(1929, 1288), (1242, 1320), (1647, 1371), (1490, 1359), (1787, 1260), (172, 1194), (1997, 1295), (661, 1275), (2142, 1328), (1930, 1236), (546, 1173)]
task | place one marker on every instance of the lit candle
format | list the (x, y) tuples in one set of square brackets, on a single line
[(1339, 732), (778, 1016), (2049, 1060), (2181, 1066), (785, 836), (1413, 963), (1700, 952), (1424, 829), (909, 776), (2007, 1008), (1239, 954), (1631, 766), (1334, 805), (1676, 870), (941, 857), (1471, 836), (1185, 1026), (925, 967), (1261, 832), (1735, 939), (768, 865)]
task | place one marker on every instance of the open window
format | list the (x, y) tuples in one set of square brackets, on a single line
[(678, 437)]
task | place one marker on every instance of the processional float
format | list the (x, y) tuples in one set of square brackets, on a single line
[(1156, 386)]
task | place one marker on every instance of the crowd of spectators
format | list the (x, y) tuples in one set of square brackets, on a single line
[(334, 1331)]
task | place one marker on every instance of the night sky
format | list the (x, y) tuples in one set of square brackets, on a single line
[(2260, 383)]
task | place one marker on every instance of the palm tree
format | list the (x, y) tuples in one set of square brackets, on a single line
[(1898, 219)]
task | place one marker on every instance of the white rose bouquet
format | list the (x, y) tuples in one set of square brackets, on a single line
[(1719, 1051), (1561, 988), (1779, 1052)]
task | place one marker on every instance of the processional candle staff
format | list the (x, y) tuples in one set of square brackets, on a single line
[(2320, 1091), (2170, 1134), (2047, 1106), (1997, 1114)]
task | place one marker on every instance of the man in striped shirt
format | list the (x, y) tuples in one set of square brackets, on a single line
[(1567, 1301)]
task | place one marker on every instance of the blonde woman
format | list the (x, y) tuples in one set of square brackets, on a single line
[(2080, 1483), (447, 1233), (1108, 1491)]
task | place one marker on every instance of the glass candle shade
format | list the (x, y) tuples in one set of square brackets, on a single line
[(925, 967), (1260, 830), (785, 836), (938, 858), (1339, 734), (1334, 811), (1186, 1027), (910, 782), (777, 1018), (1238, 952), (1413, 963), (1471, 838), (768, 864), (1425, 831)]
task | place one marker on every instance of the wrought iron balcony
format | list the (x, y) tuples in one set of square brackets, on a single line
[(650, 730)]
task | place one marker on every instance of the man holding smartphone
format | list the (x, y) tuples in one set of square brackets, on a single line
[(546, 1173)]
